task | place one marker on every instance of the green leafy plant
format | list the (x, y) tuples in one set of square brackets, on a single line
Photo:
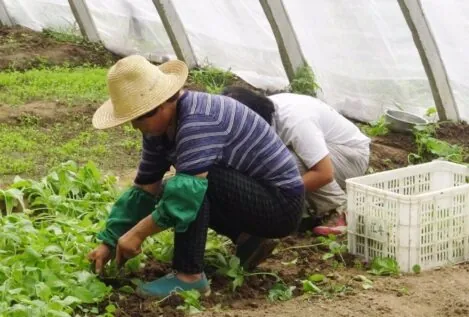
[(281, 292), (378, 127), (213, 79), (318, 284), (304, 82), (384, 266), (192, 303), (335, 248), (429, 147), (230, 266), (43, 267)]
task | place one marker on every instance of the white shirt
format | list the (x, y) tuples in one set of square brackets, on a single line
[(309, 126)]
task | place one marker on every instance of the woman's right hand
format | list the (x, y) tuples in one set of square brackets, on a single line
[(100, 256)]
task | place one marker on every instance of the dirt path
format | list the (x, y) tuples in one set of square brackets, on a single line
[(442, 293)]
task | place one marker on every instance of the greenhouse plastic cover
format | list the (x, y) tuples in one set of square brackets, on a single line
[(361, 51)]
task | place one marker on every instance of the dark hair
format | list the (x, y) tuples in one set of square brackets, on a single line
[(262, 105)]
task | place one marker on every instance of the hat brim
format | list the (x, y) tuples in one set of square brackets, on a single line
[(104, 117)]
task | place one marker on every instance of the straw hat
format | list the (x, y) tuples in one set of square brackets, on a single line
[(136, 87)]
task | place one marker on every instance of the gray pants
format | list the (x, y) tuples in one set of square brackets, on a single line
[(348, 162)]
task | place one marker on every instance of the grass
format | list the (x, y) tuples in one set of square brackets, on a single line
[(31, 148), (62, 84), (70, 35)]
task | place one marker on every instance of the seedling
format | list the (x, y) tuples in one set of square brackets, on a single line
[(384, 266), (335, 248), (232, 268), (378, 127), (192, 303), (281, 292)]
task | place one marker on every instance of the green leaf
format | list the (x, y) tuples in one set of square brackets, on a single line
[(327, 256), (237, 282), (316, 278), (56, 313), (69, 301), (111, 308), (310, 287), (127, 289), (43, 291), (384, 266)]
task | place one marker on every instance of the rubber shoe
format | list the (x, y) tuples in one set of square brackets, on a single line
[(169, 284), (336, 225), (254, 251)]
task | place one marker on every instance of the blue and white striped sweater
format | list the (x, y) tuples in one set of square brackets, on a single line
[(216, 129)]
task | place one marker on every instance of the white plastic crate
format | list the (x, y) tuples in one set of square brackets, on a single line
[(416, 215)]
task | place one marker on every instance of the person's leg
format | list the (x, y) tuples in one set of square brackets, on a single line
[(250, 214), (238, 204), (234, 204), (188, 260), (348, 162)]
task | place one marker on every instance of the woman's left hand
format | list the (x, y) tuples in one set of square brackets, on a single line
[(128, 246)]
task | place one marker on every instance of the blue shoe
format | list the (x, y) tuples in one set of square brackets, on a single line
[(169, 284)]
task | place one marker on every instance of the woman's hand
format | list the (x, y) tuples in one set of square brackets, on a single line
[(100, 256), (128, 246)]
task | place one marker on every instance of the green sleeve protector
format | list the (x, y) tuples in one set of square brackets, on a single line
[(132, 206), (182, 198)]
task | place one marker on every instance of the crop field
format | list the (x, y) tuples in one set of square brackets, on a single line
[(60, 177)]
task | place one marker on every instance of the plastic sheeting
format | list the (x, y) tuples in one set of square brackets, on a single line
[(131, 27), (363, 55), (449, 21), (361, 51), (235, 35), (41, 14)]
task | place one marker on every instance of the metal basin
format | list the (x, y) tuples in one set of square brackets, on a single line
[(401, 121)]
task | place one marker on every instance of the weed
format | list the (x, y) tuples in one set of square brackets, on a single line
[(304, 82), (431, 114), (212, 78), (66, 36)]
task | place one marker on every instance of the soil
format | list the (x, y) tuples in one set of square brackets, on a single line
[(22, 48), (454, 133), (434, 293)]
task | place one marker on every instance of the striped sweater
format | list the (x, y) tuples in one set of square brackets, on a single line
[(215, 129)]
